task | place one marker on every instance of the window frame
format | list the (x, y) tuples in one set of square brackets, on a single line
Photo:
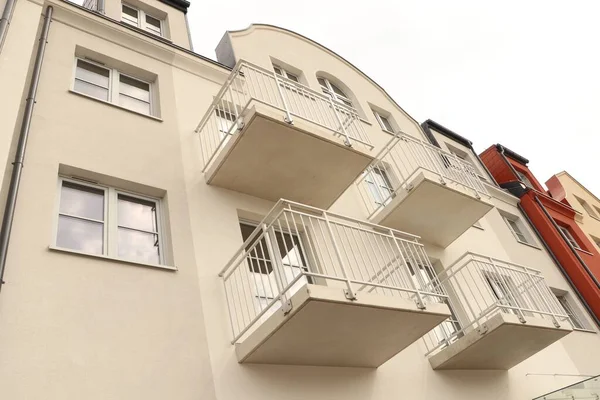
[(141, 20), (114, 83), (573, 312), (587, 207), (328, 89), (285, 73), (519, 231), (569, 236), (380, 119), (387, 186), (111, 226), (523, 178)]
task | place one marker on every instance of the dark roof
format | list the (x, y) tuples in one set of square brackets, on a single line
[(512, 154), (429, 124), (181, 5)]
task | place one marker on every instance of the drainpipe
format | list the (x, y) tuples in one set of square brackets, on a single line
[(5, 20), (560, 267), (15, 179), (567, 241)]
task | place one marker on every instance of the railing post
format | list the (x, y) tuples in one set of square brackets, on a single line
[(274, 254), (467, 175), (433, 160), (288, 115), (497, 270), (419, 299), (344, 131), (349, 291), (554, 320)]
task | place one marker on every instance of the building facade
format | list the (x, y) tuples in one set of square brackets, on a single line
[(554, 217), (268, 225)]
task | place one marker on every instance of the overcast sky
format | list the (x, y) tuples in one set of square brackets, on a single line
[(521, 73)]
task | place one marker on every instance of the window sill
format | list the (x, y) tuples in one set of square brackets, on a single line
[(478, 227), (107, 258), (528, 244), (584, 330), (114, 105)]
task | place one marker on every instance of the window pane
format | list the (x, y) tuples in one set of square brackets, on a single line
[(92, 73), (81, 235), (322, 82), (91, 90), (277, 70), (129, 12), (137, 213), (134, 88), (154, 22), (292, 77), (133, 104), (138, 246), (337, 90), (386, 124), (82, 201)]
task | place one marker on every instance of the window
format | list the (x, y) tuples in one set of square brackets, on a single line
[(515, 226), (523, 178), (587, 207), (379, 185), (567, 234), (335, 92), (138, 18), (384, 122), (504, 290), (572, 312), (112, 86), (286, 74), (105, 221), (596, 240), (225, 121)]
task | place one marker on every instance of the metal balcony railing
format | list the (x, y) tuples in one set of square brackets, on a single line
[(297, 244), (404, 155), (248, 82), (478, 287)]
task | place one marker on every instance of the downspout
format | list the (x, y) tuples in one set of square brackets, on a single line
[(5, 20), (15, 178), (573, 250), (560, 267)]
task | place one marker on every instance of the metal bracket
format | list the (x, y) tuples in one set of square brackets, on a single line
[(482, 329), (288, 120), (443, 182), (420, 304), (286, 307), (241, 125), (410, 187), (556, 324), (522, 319), (349, 294), (347, 143)]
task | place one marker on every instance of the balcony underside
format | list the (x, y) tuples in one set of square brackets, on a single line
[(272, 159), (504, 344), (324, 328), (436, 212)]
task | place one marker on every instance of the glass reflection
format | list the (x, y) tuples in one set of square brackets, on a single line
[(81, 235)]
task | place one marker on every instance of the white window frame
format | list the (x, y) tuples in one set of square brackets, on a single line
[(518, 232), (587, 207), (378, 179), (285, 73), (523, 178), (141, 20), (565, 231), (328, 89), (111, 226), (380, 119), (575, 315), (113, 86)]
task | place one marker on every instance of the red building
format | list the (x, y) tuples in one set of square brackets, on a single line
[(554, 221)]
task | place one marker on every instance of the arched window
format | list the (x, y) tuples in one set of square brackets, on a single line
[(335, 92)]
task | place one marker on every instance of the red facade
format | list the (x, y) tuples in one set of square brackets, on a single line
[(544, 211)]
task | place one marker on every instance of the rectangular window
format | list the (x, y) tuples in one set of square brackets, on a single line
[(572, 312), (569, 237), (523, 178), (379, 185), (286, 74), (588, 209), (514, 225), (384, 122), (105, 221), (596, 240), (140, 19), (113, 86)]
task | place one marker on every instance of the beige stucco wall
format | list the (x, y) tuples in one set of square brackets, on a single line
[(589, 224), (76, 327)]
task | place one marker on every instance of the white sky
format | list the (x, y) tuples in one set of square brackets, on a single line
[(521, 73)]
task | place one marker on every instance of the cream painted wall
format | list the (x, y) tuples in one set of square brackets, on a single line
[(589, 224), (75, 327)]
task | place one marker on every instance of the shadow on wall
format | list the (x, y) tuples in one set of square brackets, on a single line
[(468, 384)]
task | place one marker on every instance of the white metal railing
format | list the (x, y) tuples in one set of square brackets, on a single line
[(404, 155), (478, 287), (297, 244), (248, 82)]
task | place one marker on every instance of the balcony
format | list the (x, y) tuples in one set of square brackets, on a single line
[(271, 137), (309, 287), (588, 389), (502, 314), (417, 187)]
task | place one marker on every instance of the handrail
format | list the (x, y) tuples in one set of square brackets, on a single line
[(297, 244), (249, 82)]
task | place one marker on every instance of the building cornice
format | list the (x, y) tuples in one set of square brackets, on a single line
[(515, 156), (181, 5)]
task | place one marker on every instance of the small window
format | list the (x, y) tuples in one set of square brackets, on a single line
[(112, 86), (523, 178), (596, 240), (105, 221), (572, 312), (514, 225), (379, 185), (335, 92), (286, 74), (588, 209), (138, 18), (384, 122), (569, 237)]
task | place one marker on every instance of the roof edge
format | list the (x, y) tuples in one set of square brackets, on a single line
[(181, 5), (446, 132), (515, 156)]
